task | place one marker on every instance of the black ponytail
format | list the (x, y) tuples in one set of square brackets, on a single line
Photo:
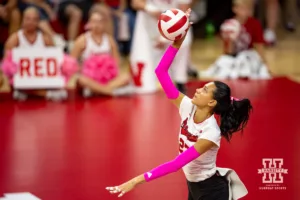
[(234, 113)]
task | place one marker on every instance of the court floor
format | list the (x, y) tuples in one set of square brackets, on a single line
[(73, 150)]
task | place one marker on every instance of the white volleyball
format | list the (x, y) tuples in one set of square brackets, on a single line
[(173, 24)]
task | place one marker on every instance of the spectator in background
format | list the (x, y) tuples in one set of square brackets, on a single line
[(131, 17), (10, 14), (117, 8), (11, 17), (290, 13), (244, 49), (272, 11), (29, 36), (148, 44), (124, 20), (71, 13), (272, 8), (95, 47), (106, 12), (47, 14)]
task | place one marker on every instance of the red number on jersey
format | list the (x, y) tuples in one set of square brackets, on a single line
[(137, 76), (182, 145)]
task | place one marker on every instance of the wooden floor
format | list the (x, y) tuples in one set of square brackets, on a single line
[(73, 150), (283, 59)]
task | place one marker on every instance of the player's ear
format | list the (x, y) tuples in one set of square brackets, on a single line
[(212, 103)]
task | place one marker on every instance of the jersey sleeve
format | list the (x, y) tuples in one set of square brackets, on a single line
[(211, 134), (186, 107)]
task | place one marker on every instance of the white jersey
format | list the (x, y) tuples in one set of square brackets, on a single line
[(144, 56), (24, 43), (205, 165), (91, 47)]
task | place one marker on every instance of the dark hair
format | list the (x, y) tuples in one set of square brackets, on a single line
[(234, 113)]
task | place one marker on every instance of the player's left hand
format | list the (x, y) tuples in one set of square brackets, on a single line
[(122, 189)]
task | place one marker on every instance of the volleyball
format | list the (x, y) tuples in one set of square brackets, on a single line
[(173, 24), (230, 29)]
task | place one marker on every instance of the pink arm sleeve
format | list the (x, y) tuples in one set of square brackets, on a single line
[(172, 166), (162, 73)]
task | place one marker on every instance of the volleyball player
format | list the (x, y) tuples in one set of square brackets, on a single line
[(200, 134)]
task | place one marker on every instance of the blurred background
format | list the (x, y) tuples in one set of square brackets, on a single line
[(59, 143), (64, 24)]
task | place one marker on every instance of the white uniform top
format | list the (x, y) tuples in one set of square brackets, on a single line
[(205, 165), (93, 48), (144, 57), (24, 43)]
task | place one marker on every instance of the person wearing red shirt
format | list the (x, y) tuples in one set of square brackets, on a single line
[(112, 3), (244, 54)]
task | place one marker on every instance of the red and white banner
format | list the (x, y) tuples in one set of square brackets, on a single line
[(144, 57), (38, 68)]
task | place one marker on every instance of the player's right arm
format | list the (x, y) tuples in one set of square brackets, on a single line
[(162, 69)]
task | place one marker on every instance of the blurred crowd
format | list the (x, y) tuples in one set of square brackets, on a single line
[(74, 26), (64, 20)]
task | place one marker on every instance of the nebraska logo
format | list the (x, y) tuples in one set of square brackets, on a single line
[(137, 77), (272, 173), (184, 131)]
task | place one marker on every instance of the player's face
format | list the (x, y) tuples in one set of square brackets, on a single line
[(31, 21), (243, 11), (204, 96), (96, 22)]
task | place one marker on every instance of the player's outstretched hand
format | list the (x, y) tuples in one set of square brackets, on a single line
[(177, 43), (128, 186), (122, 189)]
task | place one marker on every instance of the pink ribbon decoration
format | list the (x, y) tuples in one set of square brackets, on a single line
[(234, 98)]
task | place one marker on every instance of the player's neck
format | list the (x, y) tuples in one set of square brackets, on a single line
[(201, 115)]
